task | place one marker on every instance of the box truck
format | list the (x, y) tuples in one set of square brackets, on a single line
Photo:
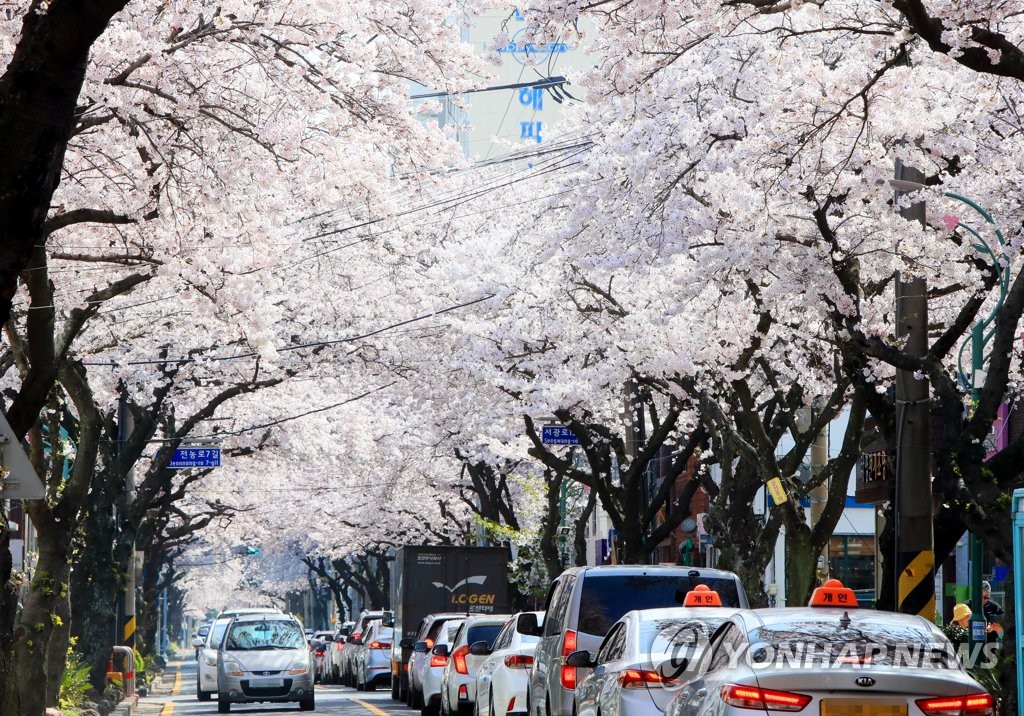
[(433, 579)]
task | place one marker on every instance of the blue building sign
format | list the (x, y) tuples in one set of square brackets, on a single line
[(558, 435), (186, 457)]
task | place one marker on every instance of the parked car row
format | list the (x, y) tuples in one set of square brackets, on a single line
[(677, 641), (634, 640)]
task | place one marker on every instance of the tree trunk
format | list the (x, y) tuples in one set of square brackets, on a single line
[(8, 614), (41, 612), (93, 606), (801, 563), (57, 649), (549, 526)]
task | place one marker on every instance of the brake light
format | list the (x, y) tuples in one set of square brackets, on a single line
[(568, 643), (568, 673), (430, 644), (518, 661), (438, 660), (970, 705), (460, 659), (379, 645), (463, 693), (511, 705), (337, 646), (635, 678), (751, 697)]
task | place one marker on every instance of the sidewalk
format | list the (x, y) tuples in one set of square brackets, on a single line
[(162, 688)]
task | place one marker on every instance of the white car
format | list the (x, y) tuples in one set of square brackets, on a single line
[(206, 665), (206, 668), (504, 676), (830, 658), (458, 683), (353, 644), (427, 635), (431, 669), (374, 660)]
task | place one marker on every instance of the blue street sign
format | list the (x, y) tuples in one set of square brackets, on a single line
[(195, 457), (978, 630), (558, 435)]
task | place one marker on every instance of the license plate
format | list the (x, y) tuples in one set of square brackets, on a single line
[(862, 707), (266, 683)]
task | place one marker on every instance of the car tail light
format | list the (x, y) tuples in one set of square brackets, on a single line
[(568, 677), (511, 705), (438, 660), (357, 635), (379, 645), (751, 697), (518, 661), (463, 693), (460, 659), (337, 646), (636, 678), (970, 705), (405, 667), (430, 644), (568, 643), (568, 673)]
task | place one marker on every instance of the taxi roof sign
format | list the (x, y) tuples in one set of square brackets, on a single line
[(702, 596), (833, 594)]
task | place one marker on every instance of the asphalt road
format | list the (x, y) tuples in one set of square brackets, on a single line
[(329, 700)]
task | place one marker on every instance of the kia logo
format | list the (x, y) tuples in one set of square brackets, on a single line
[(864, 681)]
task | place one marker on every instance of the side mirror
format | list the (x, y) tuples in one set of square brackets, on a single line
[(479, 648), (198, 641), (406, 643), (420, 647), (580, 659), (527, 624), (440, 650), (388, 620), (329, 637)]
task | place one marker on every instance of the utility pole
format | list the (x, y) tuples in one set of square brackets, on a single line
[(125, 426), (912, 513)]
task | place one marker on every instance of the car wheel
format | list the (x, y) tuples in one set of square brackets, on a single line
[(490, 705), (223, 706), (370, 685), (396, 689), (307, 704)]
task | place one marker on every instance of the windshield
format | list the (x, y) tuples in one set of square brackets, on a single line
[(606, 598), (866, 644), (268, 634)]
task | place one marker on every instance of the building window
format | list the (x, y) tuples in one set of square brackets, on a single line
[(851, 559)]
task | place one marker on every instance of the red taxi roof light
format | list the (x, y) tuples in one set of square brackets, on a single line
[(702, 596), (751, 697), (970, 705), (833, 594)]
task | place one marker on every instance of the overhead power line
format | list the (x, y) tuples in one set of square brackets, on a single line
[(555, 84)]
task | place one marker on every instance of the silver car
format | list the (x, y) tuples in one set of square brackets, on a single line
[(636, 668), (832, 662), (264, 658)]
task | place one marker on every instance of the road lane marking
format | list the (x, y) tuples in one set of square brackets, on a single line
[(176, 689), (167, 710), (372, 709)]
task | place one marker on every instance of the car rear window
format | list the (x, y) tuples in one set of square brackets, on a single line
[(483, 632), (606, 597), (865, 644)]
